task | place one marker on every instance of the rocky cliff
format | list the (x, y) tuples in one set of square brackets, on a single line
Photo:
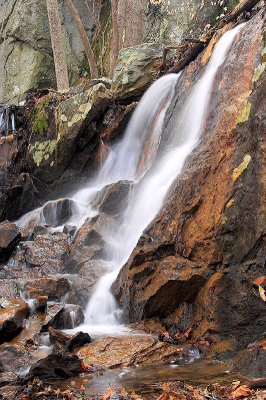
[(195, 264)]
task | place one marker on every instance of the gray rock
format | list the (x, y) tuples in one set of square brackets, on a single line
[(60, 316), (136, 69), (57, 212), (112, 199)]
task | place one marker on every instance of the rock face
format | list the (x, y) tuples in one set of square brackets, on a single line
[(53, 145), (170, 21), (12, 315), (27, 52), (135, 69), (195, 263), (9, 238)]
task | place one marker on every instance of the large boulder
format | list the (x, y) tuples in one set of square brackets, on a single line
[(55, 366), (9, 238), (13, 312), (124, 351), (213, 219), (89, 242), (50, 252), (84, 284), (135, 69), (58, 212), (112, 199), (61, 316), (54, 288)]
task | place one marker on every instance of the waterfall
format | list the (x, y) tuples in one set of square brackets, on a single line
[(148, 196), (152, 164), (7, 121)]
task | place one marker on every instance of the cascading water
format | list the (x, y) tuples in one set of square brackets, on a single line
[(148, 197), (7, 121), (136, 158)]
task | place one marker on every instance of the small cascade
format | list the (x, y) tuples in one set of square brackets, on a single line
[(152, 161), (7, 120)]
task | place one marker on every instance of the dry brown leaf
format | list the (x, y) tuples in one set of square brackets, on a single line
[(241, 391), (232, 387), (198, 396), (262, 293), (259, 280), (176, 395), (110, 391)]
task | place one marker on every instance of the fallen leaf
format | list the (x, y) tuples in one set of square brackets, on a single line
[(241, 391), (262, 293), (259, 280), (232, 387)]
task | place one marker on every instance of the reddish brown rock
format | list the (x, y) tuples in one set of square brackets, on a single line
[(114, 352), (9, 238), (213, 219), (52, 287), (13, 312), (50, 252)]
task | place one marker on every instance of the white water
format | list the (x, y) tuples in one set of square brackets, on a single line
[(7, 122), (153, 175)]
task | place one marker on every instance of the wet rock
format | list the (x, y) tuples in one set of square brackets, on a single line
[(115, 352), (89, 241), (8, 288), (112, 199), (83, 285), (15, 358), (50, 252), (13, 312), (69, 229), (172, 281), (6, 378), (55, 366), (58, 212), (250, 362), (51, 315), (223, 305), (57, 336), (38, 230), (41, 304), (78, 340), (135, 69), (9, 238), (54, 288), (60, 316)]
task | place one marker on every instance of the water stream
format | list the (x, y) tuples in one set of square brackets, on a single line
[(151, 162)]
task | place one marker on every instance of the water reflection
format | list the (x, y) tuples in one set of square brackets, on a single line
[(145, 381)]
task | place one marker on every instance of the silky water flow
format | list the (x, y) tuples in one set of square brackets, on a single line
[(151, 162)]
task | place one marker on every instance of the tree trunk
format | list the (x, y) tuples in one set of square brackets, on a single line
[(134, 29), (115, 39), (121, 14), (57, 45), (84, 38)]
